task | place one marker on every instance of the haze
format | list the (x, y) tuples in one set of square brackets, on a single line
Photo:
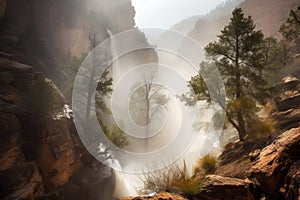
[(165, 13)]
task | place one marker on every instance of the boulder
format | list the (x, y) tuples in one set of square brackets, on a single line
[(274, 162), (223, 188)]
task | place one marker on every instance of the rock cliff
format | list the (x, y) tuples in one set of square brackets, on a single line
[(41, 157), (44, 34)]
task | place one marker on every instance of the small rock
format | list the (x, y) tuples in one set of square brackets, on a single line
[(254, 154)]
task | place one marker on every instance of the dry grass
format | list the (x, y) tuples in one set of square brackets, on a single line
[(172, 179), (261, 129), (206, 165)]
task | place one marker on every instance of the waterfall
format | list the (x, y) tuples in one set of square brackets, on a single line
[(171, 69)]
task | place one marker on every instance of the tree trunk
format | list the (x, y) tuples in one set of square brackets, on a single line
[(241, 124), (90, 89)]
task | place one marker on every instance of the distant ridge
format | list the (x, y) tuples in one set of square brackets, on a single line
[(268, 15)]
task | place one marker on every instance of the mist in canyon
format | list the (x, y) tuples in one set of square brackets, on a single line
[(91, 96)]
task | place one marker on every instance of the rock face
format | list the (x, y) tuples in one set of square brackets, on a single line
[(222, 188), (274, 162), (288, 104), (292, 186), (37, 38), (42, 160), (26, 184), (44, 34)]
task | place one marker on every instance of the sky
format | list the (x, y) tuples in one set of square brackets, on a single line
[(165, 13)]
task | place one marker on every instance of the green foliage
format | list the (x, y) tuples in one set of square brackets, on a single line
[(291, 33), (279, 59), (42, 100), (114, 134), (172, 179), (242, 55), (104, 89), (206, 165), (199, 85), (291, 28), (117, 136), (244, 105)]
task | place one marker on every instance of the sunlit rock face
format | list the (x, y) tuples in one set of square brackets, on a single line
[(274, 162)]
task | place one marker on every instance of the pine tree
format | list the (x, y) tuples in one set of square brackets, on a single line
[(291, 28), (239, 55)]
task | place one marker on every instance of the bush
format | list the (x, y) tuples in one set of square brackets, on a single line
[(172, 179), (261, 129), (114, 134), (158, 181), (207, 165), (184, 184)]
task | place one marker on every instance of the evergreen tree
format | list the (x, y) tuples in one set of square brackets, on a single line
[(240, 56), (291, 28)]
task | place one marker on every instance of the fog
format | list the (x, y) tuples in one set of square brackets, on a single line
[(166, 13)]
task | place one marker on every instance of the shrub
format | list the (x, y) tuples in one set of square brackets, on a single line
[(157, 182), (207, 165), (185, 184), (172, 179), (114, 134), (261, 129)]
